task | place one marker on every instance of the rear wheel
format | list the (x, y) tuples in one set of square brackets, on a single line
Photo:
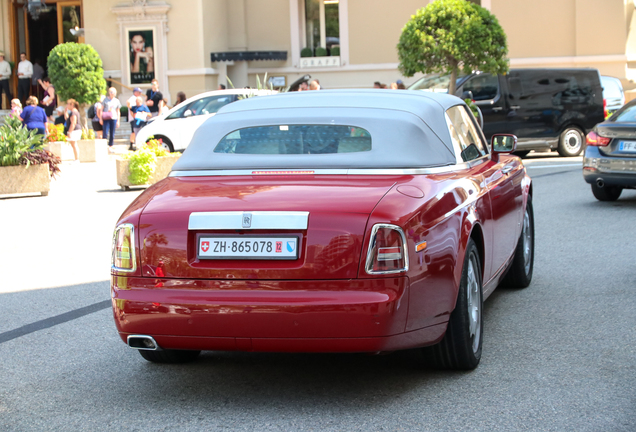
[(169, 356), (461, 347), (520, 272), (571, 142), (606, 193)]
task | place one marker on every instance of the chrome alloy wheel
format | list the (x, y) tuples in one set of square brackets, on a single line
[(473, 291), (572, 141), (527, 242)]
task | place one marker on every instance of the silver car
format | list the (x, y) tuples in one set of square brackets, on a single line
[(610, 157)]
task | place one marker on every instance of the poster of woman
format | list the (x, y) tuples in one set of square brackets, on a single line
[(142, 59)]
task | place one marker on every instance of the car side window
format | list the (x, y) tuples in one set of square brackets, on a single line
[(464, 135), (179, 113), (483, 86)]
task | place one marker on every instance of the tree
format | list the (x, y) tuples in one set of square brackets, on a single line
[(449, 36), (76, 72)]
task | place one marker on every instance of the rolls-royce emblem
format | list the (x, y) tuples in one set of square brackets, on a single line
[(247, 220)]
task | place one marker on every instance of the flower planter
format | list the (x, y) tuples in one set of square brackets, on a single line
[(20, 179), (61, 149), (95, 150), (164, 165)]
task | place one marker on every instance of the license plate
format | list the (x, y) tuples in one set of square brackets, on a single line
[(627, 146), (268, 248)]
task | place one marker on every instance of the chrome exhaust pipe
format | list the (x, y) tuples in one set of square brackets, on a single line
[(600, 183), (143, 342)]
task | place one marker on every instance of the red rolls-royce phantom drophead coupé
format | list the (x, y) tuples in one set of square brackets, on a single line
[(328, 221)]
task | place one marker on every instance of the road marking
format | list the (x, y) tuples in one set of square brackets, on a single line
[(555, 166), (53, 321)]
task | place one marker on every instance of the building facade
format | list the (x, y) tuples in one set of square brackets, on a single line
[(195, 45)]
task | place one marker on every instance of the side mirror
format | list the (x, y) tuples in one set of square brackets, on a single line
[(467, 95), (503, 143)]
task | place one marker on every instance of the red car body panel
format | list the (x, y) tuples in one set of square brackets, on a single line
[(324, 300)]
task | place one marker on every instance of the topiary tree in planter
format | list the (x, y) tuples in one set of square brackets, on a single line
[(449, 36), (306, 52), (76, 72), (321, 52)]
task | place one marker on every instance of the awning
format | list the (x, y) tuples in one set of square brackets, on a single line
[(248, 55)]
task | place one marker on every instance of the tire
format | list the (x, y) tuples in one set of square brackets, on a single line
[(461, 347), (166, 143), (571, 142), (520, 271), (606, 193), (169, 356)]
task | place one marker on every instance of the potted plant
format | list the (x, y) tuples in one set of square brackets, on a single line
[(25, 166), (90, 148), (321, 52), (76, 72), (56, 143), (146, 166)]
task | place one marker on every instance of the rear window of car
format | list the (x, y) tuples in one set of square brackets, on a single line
[(296, 139), (627, 114)]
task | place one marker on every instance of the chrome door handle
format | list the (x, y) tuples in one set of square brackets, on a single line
[(506, 169), (497, 108), (515, 107)]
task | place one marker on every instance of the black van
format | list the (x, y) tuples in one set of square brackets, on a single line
[(544, 108)]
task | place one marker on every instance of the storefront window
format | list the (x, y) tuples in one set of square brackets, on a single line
[(322, 28)]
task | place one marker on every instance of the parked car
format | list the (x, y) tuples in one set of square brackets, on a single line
[(331, 221), (545, 108), (609, 165), (613, 94), (176, 127)]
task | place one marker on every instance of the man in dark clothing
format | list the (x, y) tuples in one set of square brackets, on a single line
[(153, 96)]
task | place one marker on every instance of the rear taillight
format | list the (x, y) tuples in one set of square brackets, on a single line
[(387, 250), (123, 258), (594, 139), (605, 113)]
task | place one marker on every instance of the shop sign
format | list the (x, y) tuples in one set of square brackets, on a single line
[(318, 62)]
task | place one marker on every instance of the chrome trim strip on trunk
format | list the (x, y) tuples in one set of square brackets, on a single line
[(351, 171), (234, 220)]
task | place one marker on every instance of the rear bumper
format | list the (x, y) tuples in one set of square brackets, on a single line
[(279, 316), (613, 171)]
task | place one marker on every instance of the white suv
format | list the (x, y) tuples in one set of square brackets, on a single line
[(176, 127)]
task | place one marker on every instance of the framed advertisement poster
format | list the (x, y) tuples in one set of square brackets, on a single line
[(141, 50)]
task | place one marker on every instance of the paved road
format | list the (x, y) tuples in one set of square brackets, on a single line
[(558, 356)]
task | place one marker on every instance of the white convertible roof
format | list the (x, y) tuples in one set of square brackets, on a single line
[(408, 129)]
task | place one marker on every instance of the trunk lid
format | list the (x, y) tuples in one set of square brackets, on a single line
[(618, 132), (330, 247)]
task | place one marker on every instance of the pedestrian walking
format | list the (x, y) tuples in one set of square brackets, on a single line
[(33, 116), (74, 133), (38, 74), (131, 103), (141, 115), (95, 114), (50, 100), (110, 116), (24, 73), (314, 85), (16, 107), (163, 106), (153, 96), (5, 74), (181, 97), (60, 117)]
